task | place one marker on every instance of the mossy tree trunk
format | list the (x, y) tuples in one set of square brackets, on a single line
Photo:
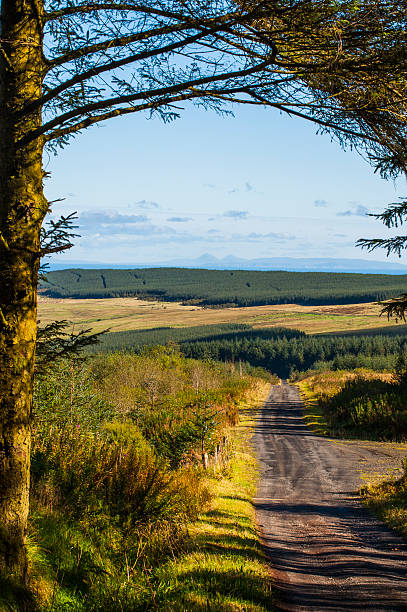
[(22, 209)]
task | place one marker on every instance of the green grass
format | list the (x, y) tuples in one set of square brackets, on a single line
[(314, 416), (388, 500), (224, 568)]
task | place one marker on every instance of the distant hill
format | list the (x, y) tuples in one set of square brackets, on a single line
[(289, 264), (224, 287)]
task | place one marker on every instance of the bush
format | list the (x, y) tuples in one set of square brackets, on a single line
[(117, 474), (366, 407)]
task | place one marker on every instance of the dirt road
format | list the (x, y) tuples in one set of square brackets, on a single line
[(326, 551)]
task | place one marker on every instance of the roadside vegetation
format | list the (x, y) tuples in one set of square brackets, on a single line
[(140, 495), (224, 287), (361, 403), (388, 500)]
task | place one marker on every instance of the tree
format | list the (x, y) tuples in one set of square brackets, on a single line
[(68, 64), (393, 216), (400, 369)]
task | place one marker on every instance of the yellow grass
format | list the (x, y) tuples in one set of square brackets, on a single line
[(225, 569), (388, 500), (121, 314)]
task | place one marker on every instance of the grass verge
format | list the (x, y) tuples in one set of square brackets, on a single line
[(223, 568), (388, 500), (314, 416)]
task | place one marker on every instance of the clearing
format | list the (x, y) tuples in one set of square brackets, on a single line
[(122, 314)]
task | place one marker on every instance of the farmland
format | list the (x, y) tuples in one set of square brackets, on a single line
[(224, 287), (122, 314)]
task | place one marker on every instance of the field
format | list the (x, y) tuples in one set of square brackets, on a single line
[(122, 314), (225, 287)]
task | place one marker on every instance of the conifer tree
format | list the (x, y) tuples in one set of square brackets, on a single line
[(68, 64)]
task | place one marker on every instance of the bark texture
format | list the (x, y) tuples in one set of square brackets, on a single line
[(22, 209)]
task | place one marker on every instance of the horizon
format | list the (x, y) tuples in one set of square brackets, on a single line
[(259, 184), (289, 264)]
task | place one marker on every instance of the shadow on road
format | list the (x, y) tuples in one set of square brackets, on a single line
[(327, 551)]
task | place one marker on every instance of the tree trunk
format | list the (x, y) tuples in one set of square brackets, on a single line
[(22, 209)]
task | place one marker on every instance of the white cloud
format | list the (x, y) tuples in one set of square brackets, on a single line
[(359, 211), (146, 204), (236, 214), (101, 217)]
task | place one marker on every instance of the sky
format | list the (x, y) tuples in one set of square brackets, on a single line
[(258, 184)]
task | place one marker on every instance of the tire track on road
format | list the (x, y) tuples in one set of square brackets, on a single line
[(327, 552)]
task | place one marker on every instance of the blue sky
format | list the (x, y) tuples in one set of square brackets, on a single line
[(254, 185)]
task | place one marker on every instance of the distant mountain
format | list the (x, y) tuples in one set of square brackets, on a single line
[(231, 262)]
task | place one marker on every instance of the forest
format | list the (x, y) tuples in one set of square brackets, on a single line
[(224, 287), (281, 351)]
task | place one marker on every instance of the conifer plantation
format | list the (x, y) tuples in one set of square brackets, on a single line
[(224, 287)]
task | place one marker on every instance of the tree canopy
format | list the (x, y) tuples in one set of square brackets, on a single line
[(68, 64), (340, 64)]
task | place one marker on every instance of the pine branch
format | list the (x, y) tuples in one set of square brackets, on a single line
[(110, 66), (152, 106), (117, 112), (396, 307), (108, 103), (108, 45), (394, 215), (286, 108), (391, 245), (58, 235), (55, 343), (93, 7)]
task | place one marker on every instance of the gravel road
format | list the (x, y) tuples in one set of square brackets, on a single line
[(327, 552)]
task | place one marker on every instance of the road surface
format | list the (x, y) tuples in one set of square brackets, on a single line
[(327, 552)]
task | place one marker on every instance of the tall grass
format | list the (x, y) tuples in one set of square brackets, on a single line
[(361, 404), (117, 472), (388, 500)]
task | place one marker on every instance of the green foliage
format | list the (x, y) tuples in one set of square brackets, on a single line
[(237, 288), (368, 408), (400, 369), (388, 500), (278, 350), (117, 475)]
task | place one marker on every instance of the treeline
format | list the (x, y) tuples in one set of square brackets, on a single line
[(224, 287), (278, 350), (285, 356), (134, 340)]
